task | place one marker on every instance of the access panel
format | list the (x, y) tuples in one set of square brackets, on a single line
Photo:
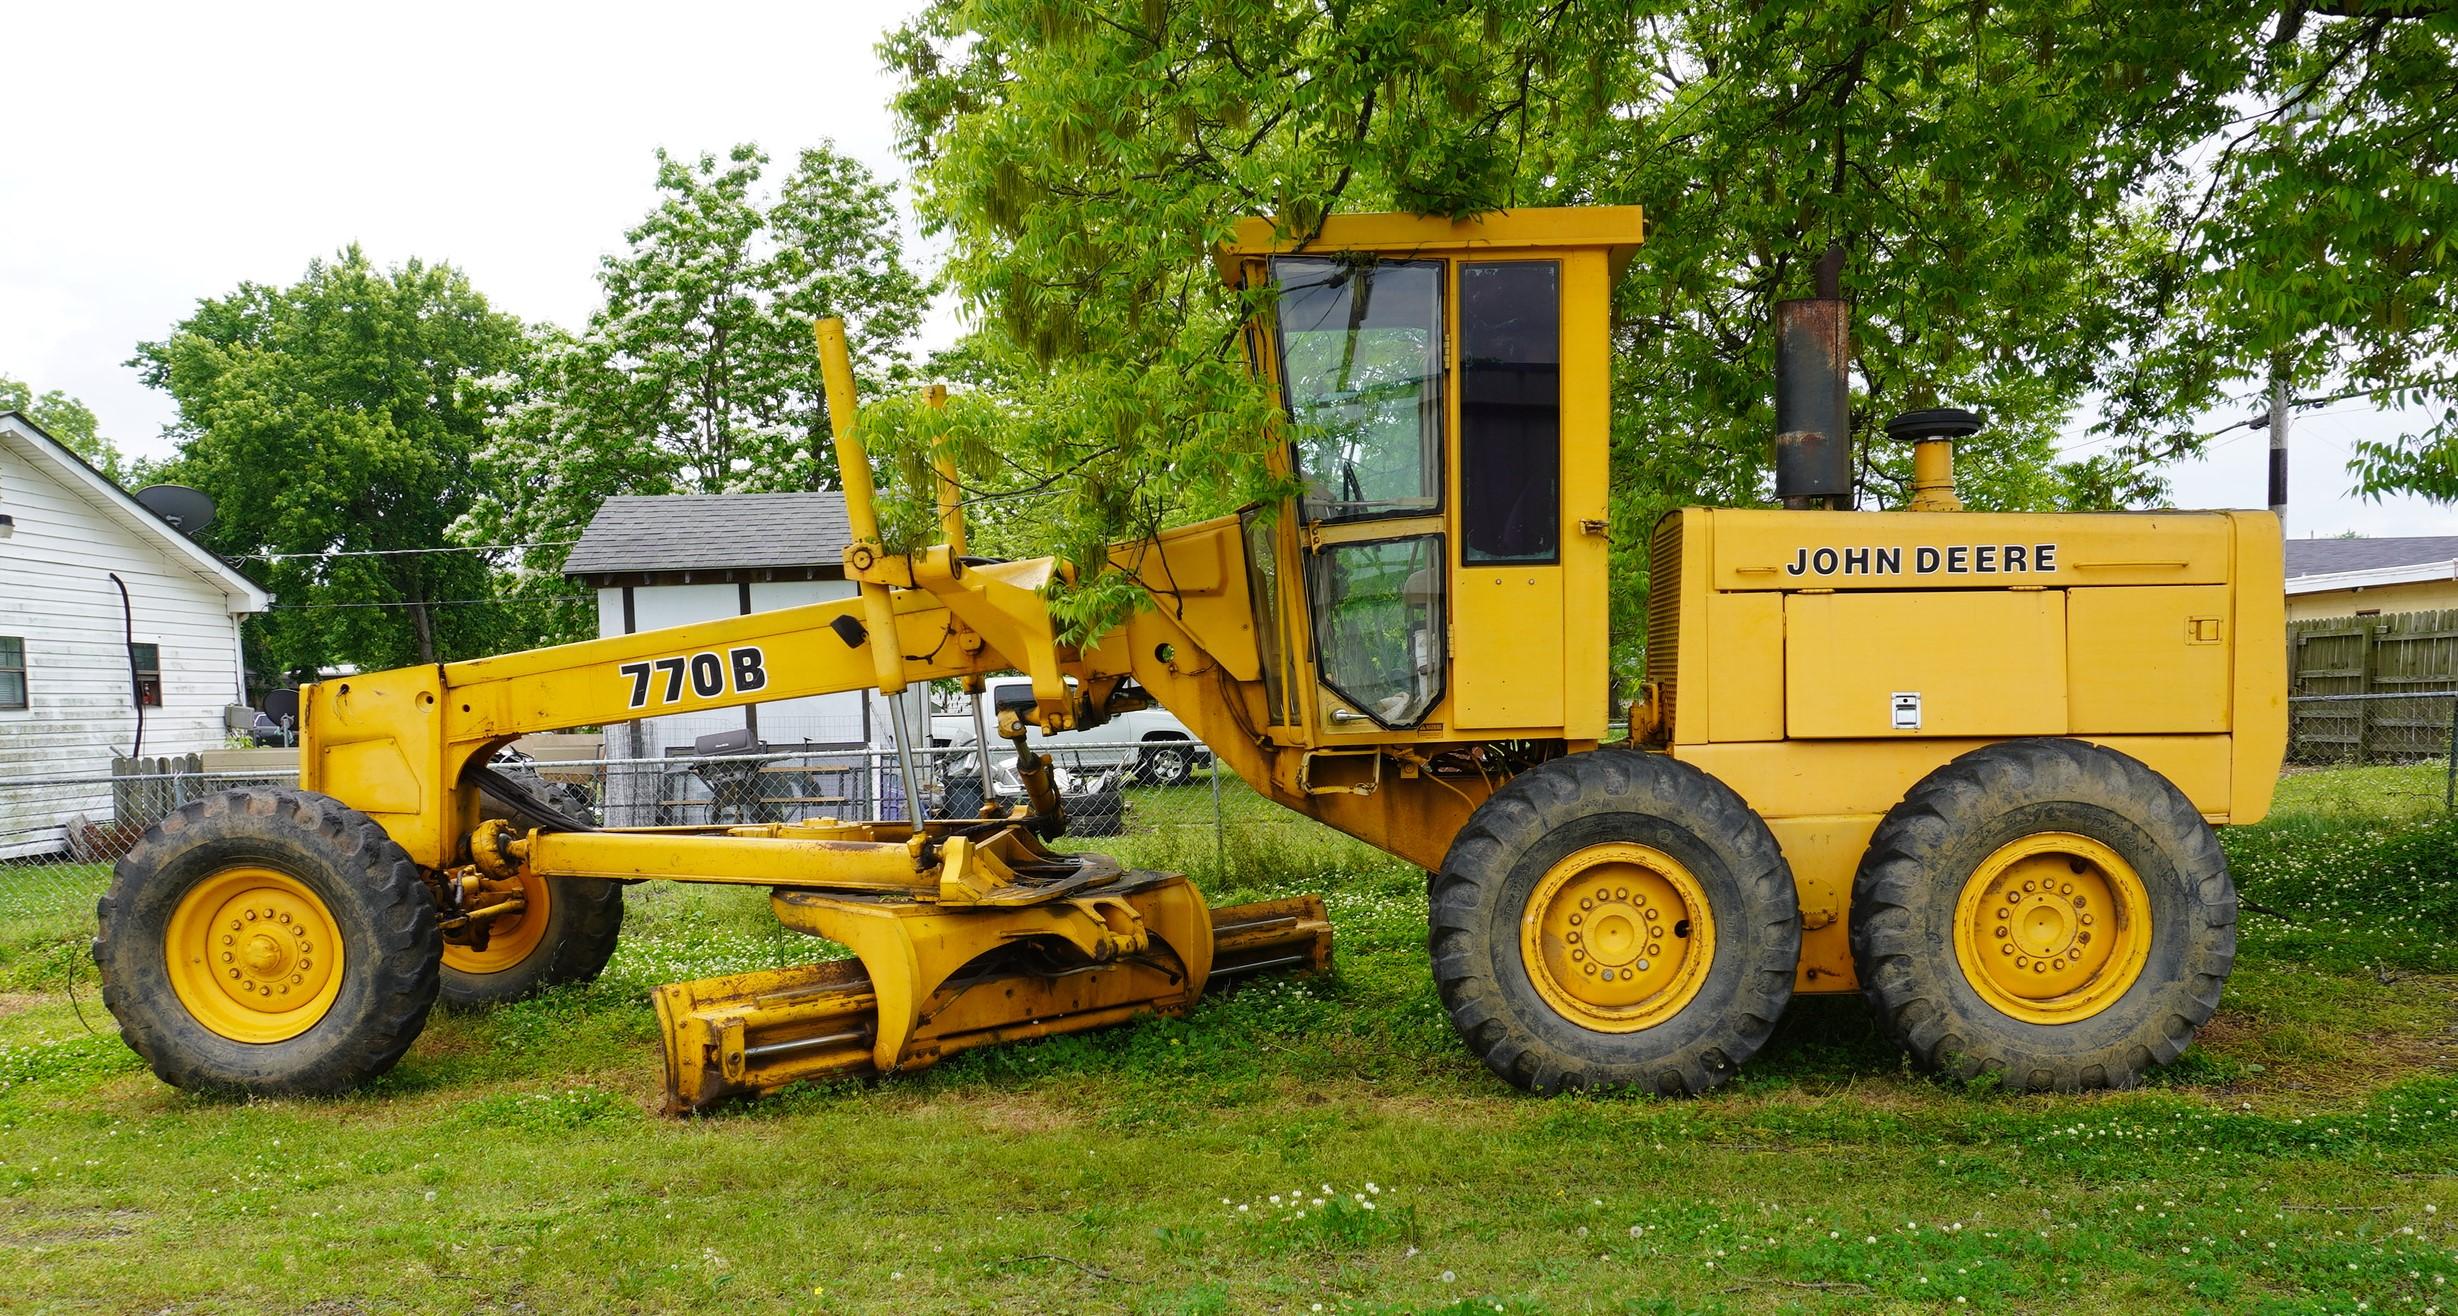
[(1984, 663)]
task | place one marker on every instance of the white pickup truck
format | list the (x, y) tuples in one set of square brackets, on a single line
[(1153, 746)]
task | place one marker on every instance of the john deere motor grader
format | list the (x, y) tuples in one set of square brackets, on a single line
[(1966, 764)]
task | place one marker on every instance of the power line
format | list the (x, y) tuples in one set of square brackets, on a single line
[(436, 603), (403, 552)]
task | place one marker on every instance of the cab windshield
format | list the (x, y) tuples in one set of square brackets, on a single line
[(1361, 374)]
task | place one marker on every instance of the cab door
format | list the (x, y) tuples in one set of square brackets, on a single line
[(1509, 662)]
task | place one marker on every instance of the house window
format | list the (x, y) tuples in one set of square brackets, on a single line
[(146, 661), (12, 671)]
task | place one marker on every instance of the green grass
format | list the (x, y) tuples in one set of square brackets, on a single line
[(1291, 1143)]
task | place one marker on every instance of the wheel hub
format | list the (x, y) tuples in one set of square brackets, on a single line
[(510, 938), (2053, 927), (254, 955), (1617, 937)]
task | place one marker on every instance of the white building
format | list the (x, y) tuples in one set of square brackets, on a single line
[(110, 621), (674, 559)]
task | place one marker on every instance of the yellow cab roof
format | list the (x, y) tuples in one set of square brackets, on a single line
[(1616, 229)]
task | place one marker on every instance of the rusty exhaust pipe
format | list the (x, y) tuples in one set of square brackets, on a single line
[(1813, 394)]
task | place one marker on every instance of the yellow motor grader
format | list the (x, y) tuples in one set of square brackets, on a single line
[(1966, 764)]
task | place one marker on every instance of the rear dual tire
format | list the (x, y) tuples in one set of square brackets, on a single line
[(2049, 913), (1615, 919)]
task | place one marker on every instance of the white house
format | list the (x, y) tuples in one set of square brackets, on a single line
[(672, 559), (110, 621)]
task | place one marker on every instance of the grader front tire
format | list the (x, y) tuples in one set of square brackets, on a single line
[(566, 933), (1615, 919), (266, 941), (2050, 912)]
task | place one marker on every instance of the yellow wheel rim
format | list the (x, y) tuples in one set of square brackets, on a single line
[(254, 955), (2052, 928), (509, 938), (1617, 937)]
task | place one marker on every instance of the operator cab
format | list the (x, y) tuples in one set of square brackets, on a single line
[(1444, 403)]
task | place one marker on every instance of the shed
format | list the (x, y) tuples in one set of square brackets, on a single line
[(672, 559), (2369, 577), (111, 620)]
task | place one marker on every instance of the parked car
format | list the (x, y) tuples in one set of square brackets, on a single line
[(1152, 746), (1095, 802)]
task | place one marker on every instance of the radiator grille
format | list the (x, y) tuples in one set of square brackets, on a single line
[(1664, 612)]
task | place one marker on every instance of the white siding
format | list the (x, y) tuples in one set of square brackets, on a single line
[(56, 594), (827, 719), (820, 719)]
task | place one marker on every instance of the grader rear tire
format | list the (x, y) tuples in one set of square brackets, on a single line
[(1615, 919), (566, 934), (2050, 912), (266, 941)]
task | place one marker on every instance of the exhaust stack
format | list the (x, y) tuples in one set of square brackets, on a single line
[(1813, 394)]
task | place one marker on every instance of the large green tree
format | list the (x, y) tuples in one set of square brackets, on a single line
[(71, 422), (335, 422), (698, 374), (2011, 182)]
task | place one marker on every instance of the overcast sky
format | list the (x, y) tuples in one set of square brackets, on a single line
[(154, 155)]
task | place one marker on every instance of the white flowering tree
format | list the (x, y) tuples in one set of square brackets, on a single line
[(697, 374)]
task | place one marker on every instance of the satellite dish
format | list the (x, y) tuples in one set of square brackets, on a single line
[(188, 510), (282, 705)]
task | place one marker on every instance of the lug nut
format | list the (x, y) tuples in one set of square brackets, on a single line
[(1585, 903), (1574, 920), (1608, 975), (250, 916), (1578, 954), (284, 917), (1621, 893), (2001, 932), (2008, 948), (234, 973), (1573, 938), (1653, 948)]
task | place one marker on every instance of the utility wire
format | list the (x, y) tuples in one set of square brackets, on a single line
[(402, 552), (436, 603)]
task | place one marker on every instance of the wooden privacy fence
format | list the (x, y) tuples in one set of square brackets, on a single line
[(2413, 654), (142, 790)]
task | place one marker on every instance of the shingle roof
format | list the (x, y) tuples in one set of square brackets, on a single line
[(2314, 557), (712, 532)]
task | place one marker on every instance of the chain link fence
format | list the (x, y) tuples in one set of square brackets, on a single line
[(2407, 739), (59, 835)]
